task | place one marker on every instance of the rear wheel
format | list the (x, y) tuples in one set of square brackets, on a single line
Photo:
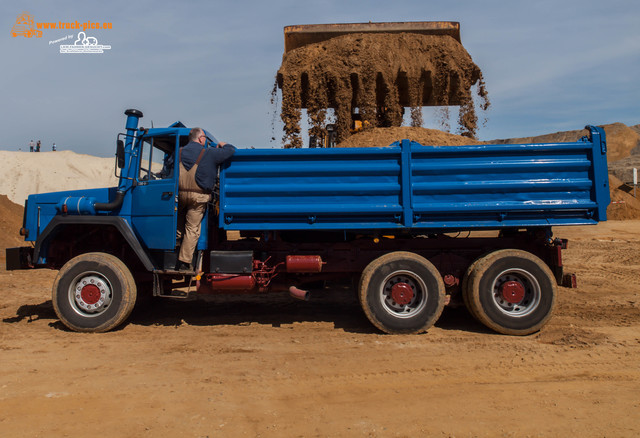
[(511, 291), (466, 295), (94, 292), (402, 292)]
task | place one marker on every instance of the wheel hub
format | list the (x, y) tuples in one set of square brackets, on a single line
[(402, 293), (512, 291), (91, 293), (516, 292)]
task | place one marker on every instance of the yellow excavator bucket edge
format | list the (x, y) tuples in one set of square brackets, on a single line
[(301, 35)]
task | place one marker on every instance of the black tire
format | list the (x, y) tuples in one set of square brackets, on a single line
[(466, 295), (94, 292), (414, 306), (511, 291)]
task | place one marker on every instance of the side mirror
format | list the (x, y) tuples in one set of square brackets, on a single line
[(120, 154)]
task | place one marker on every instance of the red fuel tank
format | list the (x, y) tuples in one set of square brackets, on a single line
[(230, 282), (304, 263)]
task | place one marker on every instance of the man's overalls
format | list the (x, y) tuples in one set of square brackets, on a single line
[(192, 204)]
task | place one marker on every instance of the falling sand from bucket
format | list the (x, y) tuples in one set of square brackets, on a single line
[(377, 76)]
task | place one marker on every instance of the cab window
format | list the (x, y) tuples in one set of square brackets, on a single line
[(156, 158)]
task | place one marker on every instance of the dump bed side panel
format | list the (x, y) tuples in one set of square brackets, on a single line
[(413, 186)]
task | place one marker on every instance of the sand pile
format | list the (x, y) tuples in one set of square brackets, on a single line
[(630, 138), (623, 204), (26, 173), (379, 75), (623, 169), (621, 139), (10, 224), (385, 136)]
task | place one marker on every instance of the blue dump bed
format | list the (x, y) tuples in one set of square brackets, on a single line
[(411, 186)]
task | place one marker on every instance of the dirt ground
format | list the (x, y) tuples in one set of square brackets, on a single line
[(269, 366)]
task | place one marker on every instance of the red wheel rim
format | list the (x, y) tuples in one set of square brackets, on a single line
[(512, 291), (90, 294), (402, 293)]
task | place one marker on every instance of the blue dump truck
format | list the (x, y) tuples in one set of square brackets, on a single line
[(413, 228)]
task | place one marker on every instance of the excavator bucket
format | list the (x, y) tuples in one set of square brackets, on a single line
[(302, 35), (368, 73)]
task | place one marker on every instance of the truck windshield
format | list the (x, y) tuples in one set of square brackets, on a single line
[(156, 157)]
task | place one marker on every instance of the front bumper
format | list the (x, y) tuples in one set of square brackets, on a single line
[(19, 258)]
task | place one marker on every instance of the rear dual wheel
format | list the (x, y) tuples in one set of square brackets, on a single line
[(401, 292), (94, 292), (510, 291)]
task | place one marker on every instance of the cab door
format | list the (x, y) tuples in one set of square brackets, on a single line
[(155, 195)]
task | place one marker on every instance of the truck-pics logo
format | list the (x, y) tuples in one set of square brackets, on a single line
[(24, 26), (84, 44), (27, 27)]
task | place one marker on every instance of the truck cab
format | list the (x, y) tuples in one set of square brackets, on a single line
[(154, 191), (142, 210)]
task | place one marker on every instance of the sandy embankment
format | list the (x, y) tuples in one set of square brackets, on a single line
[(25, 173)]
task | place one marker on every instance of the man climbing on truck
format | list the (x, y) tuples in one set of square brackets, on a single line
[(198, 174)]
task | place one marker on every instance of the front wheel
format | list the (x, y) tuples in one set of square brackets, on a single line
[(511, 291), (94, 292), (402, 292)]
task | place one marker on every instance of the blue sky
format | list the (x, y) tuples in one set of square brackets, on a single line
[(548, 65)]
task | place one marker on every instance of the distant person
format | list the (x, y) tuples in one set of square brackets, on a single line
[(53, 148), (198, 173), (31, 146), (38, 146)]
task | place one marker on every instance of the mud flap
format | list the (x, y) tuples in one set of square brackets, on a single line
[(19, 258), (569, 280)]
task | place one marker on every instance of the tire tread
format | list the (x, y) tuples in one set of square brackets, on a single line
[(365, 281), (128, 298), (472, 296)]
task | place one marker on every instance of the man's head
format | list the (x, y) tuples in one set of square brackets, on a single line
[(198, 135)]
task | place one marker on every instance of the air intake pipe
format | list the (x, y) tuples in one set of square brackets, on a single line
[(133, 116), (110, 206), (88, 205)]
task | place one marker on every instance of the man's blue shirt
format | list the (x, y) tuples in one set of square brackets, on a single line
[(208, 167)]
